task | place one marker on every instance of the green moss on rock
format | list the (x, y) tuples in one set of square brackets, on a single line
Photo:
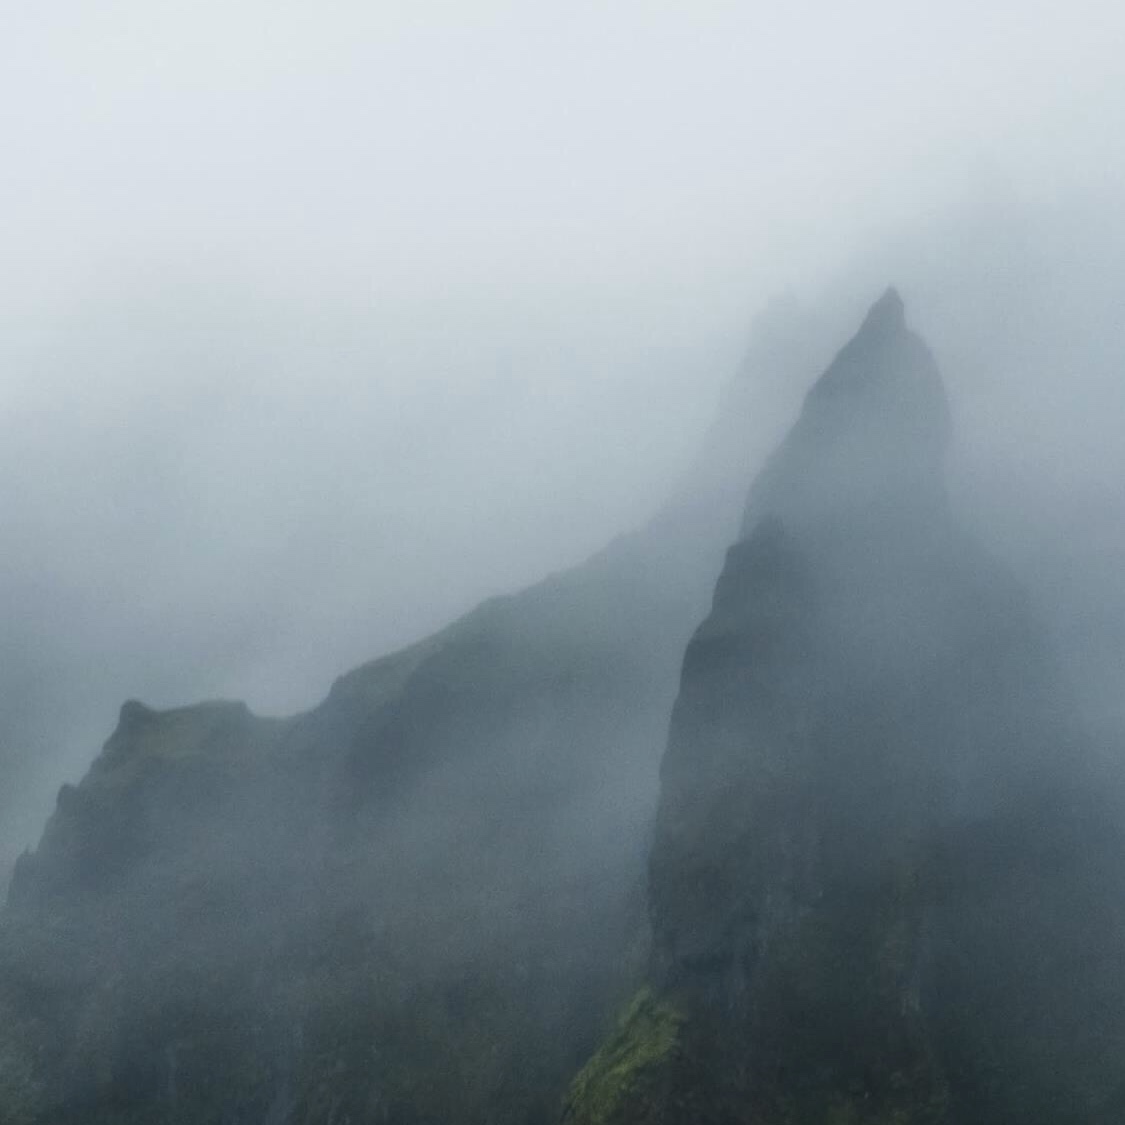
[(624, 1076)]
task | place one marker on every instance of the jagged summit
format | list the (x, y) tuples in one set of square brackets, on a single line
[(886, 369), (872, 432), (886, 316)]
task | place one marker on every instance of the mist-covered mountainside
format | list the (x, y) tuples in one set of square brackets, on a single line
[(887, 882), (878, 876), (415, 903), (420, 901)]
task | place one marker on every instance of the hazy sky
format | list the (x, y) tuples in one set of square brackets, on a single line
[(409, 154), (319, 322)]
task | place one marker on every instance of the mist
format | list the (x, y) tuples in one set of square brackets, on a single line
[(318, 327)]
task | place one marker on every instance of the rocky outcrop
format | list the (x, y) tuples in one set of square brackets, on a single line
[(881, 887)]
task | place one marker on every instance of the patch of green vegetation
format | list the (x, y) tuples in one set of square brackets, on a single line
[(618, 1080)]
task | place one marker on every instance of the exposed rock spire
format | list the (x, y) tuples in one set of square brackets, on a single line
[(862, 861), (872, 433)]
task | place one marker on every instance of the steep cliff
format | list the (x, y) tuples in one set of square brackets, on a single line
[(884, 886)]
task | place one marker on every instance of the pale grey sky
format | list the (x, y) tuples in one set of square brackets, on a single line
[(401, 153)]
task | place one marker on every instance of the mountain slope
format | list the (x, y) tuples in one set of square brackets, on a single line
[(254, 907), (883, 886), (416, 903)]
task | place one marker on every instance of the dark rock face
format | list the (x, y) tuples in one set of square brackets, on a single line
[(866, 675), (880, 887)]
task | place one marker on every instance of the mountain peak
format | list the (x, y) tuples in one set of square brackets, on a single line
[(882, 362), (886, 316), (872, 432)]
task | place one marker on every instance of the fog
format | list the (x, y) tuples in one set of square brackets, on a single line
[(317, 325)]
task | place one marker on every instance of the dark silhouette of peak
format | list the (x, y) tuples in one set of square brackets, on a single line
[(872, 433), (884, 371), (886, 316), (871, 840)]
